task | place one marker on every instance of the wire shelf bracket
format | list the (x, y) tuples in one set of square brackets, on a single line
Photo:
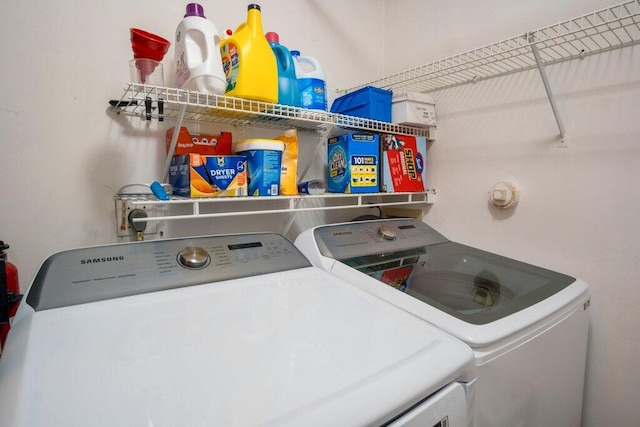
[(603, 30), (610, 28), (562, 142)]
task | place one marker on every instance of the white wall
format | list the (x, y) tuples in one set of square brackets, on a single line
[(579, 206), (63, 153)]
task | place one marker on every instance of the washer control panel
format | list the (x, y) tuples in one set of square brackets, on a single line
[(355, 239), (103, 272)]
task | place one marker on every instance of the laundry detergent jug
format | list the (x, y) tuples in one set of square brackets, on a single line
[(288, 92), (248, 62), (311, 83), (197, 53)]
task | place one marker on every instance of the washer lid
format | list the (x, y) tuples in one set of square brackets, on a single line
[(470, 284), (297, 347)]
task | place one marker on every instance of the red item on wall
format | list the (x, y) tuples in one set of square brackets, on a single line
[(9, 292)]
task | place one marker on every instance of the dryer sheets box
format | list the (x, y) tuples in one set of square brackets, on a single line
[(193, 175)]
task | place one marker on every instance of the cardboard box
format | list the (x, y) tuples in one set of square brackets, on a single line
[(396, 277), (413, 109), (403, 166), (193, 175), (353, 163), (206, 145)]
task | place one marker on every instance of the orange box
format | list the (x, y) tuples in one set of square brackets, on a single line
[(193, 175), (206, 145)]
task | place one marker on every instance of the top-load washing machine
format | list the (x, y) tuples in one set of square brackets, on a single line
[(233, 330), (526, 325)]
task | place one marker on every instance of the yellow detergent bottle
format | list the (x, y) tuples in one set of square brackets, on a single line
[(249, 62)]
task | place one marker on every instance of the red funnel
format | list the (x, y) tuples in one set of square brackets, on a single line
[(146, 45)]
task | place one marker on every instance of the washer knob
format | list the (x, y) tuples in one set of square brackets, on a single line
[(193, 257), (386, 233)]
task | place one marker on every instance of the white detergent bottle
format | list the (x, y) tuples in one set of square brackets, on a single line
[(311, 83), (197, 54)]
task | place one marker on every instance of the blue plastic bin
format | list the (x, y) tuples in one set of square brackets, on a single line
[(369, 103)]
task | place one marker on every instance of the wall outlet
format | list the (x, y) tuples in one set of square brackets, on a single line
[(123, 227)]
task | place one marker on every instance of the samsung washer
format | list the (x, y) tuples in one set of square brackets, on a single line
[(234, 330), (526, 325)]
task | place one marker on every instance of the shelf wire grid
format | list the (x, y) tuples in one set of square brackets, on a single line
[(246, 112), (610, 28)]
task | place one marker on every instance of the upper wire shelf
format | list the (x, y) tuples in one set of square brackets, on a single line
[(143, 100), (610, 28)]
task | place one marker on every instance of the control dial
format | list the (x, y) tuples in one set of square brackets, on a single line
[(193, 257), (386, 233)]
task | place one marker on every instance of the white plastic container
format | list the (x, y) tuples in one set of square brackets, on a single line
[(264, 163), (197, 54), (413, 109), (311, 82)]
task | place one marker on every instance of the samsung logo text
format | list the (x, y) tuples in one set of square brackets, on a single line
[(103, 259)]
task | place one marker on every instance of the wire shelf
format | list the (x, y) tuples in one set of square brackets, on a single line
[(225, 206), (143, 101), (610, 28)]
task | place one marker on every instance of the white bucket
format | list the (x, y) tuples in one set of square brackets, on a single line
[(264, 161)]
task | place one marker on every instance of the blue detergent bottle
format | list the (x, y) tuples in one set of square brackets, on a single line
[(288, 92), (311, 82)]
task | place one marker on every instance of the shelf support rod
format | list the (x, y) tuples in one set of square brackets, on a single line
[(293, 205), (545, 81), (323, 137), (174, 141)]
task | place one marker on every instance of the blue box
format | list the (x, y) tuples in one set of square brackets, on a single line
[(369, 103), (353, 163)]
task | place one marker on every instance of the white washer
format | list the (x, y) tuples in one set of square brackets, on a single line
[(526, 325), (234, 330)]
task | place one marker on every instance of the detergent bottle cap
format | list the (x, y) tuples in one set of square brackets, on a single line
[(195, 9), (272, 37), (253, 6)]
